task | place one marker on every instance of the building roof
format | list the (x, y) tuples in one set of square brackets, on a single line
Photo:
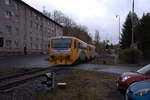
[(22, 2)]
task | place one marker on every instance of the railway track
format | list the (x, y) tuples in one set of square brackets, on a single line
[(10, 82)]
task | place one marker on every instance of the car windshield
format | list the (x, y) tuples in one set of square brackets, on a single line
[(61, 43), (144, 69)]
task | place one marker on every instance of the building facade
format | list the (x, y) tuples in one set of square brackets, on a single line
[(24, 30)]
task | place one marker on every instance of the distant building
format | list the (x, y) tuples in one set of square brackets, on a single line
[(23, 29)]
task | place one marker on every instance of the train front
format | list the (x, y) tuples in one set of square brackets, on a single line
[(61, 51)]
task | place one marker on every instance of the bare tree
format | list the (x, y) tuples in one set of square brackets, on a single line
[(46, 13), (97, 36), (70, 27)]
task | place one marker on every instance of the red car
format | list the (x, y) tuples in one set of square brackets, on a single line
[(128, 78)]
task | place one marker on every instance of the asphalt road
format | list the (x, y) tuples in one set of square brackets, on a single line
[(39, 61), (106, 68)]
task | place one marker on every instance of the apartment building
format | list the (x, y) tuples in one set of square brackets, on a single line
[(24, 30)]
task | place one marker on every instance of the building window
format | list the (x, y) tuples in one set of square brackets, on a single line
[(17, 20), (31, 45), (41, 27), (16, 43), (8, 14), (1, 33), (48, 23), (8, 29), (48, 30), (7, 2), (40, 46), (36, 26), (8, 43), (1, 41)]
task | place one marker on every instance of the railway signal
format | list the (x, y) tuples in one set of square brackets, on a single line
[(49, 81)]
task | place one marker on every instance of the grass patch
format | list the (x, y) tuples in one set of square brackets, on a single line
[(85, 85)]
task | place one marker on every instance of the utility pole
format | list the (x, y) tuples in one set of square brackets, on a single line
[(132, 41)]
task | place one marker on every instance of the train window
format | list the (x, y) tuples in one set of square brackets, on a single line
[(79, 45), (61, 43), (82, 46)]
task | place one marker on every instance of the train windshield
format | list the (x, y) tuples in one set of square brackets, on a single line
[(61, 43)]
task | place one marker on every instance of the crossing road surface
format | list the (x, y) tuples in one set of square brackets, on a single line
[(39, 61), (106, 68)]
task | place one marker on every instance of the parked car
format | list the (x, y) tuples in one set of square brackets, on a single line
[(128, 78), (139, 91)]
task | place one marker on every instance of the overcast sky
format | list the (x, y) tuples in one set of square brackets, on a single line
[(95, 14)]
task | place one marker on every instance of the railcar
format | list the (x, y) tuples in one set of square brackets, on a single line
[(66, 50)]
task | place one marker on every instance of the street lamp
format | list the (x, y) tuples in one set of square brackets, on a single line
[(118, 16)]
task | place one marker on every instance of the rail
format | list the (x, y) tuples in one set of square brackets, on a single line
[(7, 83)]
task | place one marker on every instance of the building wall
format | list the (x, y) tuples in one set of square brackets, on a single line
[(24, 28)]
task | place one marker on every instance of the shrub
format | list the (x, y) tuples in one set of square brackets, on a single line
[(130, 56), (99, 48)]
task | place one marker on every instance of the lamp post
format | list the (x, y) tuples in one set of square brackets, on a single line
[(118, 16)]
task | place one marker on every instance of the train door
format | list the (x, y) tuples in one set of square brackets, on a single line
[(75, 49), (75, 45)]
